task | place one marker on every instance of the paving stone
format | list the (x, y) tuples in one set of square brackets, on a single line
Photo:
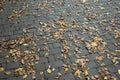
[(51, 58), (55, 51), (111, 68), (58, 56), (43, 60), (92, 64), (92, 56), (107, 61), (40, 66), (57, 64), (93, 72), (13, 65), (69, 76), (56, 45)]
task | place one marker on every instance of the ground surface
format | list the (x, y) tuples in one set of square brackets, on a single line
[(59, 40)]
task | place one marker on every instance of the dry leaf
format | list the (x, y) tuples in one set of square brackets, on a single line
[(18, 70), (49, 70), (65, 56), (41, 72), (99, 58), (102, 64), (86, 72), (117, 50), (84, 1), (119, 71), (58, 75), (7, 72), (24, 76), (37, 57), (1, 69), (46, 55), (77, 73), (25, 44), (53, 69), (94, 44)]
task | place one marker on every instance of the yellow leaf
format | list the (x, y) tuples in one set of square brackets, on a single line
[(77, 73), (102, 64), (65, 56), (94, 44), (25, 76), (58, 75), (33, 51), (46, 55), (84, 1), (1, 69), (119, 71), (105, 78), (7, 72), (66, 70), (25, 44), (18, 70), (100, 58), (117, 50), (53, 69), (49, 70), (86, 72), (41, 72)]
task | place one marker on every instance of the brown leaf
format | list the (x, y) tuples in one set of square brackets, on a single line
[(77, 73), (37, 57), (99, 58)]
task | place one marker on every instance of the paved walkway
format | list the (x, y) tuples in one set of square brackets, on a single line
[(59, 40)]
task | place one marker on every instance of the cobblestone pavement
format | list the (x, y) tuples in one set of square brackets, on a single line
[(59, 40)]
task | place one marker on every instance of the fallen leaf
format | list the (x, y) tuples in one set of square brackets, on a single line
[(117, 50), (7, 72), (53, 69), (119, 71), (18, 70), (84, 1), (49, 70), (99, 58), (25, 76), (94, 44), (58, 75), (86, 72), (105, 78), (25, 44), (37, 57), (46, 55), (65, 56), (102, 64), (77, 73), (41, 72), (1, 69)]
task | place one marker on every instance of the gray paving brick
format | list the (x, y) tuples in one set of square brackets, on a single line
[(82, 13), (57, 64), (43, 60), (93, 72), (13, 65), (92, 64), (69, 76)]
